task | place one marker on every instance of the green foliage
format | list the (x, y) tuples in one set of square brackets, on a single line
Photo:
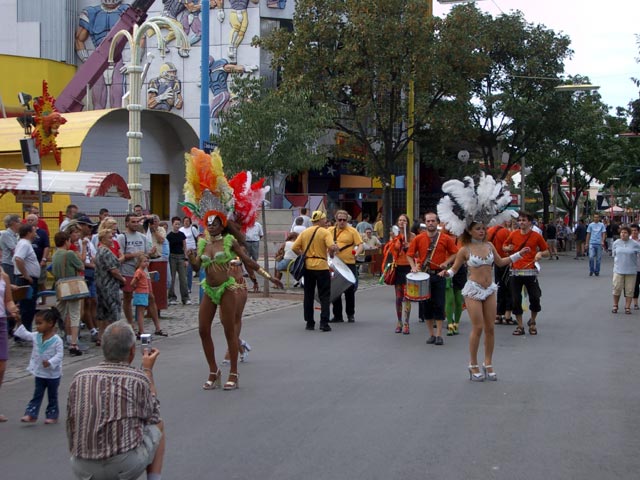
[(268, 131)]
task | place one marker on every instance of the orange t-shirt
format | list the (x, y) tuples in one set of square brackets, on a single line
[(419, 247), (533, 240), (142, 282), (497, 235), (394, 246)]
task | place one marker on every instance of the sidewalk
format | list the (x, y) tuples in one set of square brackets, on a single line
[(175, 320)]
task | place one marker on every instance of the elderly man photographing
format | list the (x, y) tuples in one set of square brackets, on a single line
[(113, 419)]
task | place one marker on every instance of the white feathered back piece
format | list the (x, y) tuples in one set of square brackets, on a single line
[(465, 202)]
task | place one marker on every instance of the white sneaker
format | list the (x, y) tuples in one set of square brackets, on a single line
[(188, 302), (173, 302)]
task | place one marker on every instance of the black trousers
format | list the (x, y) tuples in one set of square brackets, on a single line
[(28, 305), (504, 302), (322, 280), (533, 290), (349, 297), (433, 309)]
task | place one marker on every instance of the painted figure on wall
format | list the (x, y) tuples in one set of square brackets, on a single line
[(165, 91), (95, 23), (186, 14), (219, 71), (239, 21)]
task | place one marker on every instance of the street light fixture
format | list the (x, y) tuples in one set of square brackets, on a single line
[(137, 45)]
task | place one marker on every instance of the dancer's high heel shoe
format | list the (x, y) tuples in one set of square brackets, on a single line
[(215, 383), (491, 376), (473, 376), (231, 385)]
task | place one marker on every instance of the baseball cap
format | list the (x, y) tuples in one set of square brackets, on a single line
[(318, 215), (85, 220)]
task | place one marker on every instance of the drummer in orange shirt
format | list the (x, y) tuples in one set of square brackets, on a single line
[(397, 247), (434, 251), (524, 273), (497, 235), (349, 244)]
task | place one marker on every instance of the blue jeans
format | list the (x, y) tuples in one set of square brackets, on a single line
[(595, 257), (51, 386)]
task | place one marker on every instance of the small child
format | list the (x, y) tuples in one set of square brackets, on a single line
[(45, 364), (141, 287)]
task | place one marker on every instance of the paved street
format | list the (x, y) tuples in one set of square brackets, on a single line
[(364, 403)]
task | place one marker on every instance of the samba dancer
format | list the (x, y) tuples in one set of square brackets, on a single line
[(210, 197), (466, 210)]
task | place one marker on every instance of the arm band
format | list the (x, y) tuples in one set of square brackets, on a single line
[(450, 272), (264, 273), (515, 257)]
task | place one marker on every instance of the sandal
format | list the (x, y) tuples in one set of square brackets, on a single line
[(509, 321), (627, 311), (215, 383), (614, 309), (231, 385), (518, 331), (532, 327), (499, 320), (161, 333)]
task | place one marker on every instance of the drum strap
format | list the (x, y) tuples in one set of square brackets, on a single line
[(310, 242), (335, 239), (432, 249)]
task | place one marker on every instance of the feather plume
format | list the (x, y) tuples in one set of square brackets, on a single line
[(248, 198), (465, 203)]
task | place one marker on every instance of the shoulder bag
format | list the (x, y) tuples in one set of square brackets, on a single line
[(72, 288), (298, 268)]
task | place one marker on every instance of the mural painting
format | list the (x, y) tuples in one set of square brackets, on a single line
[(165, 91), (95, 23)]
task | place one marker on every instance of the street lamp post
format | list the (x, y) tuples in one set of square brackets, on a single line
[(137, 41), (556, 184)]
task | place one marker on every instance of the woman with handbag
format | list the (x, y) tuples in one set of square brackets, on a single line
[(65, 264), (397, 249)]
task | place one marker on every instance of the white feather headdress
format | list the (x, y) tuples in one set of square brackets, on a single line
[(465, 202)]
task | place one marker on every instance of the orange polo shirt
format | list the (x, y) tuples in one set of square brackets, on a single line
[(533, 240), (419, 247)]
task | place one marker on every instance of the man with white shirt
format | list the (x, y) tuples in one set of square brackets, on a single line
[(306, 220), (27, 270), (253, 236)]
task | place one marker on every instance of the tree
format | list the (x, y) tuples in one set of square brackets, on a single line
[(267, 131), (360, 56)]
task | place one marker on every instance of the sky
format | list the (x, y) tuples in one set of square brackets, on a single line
[(602, 37)]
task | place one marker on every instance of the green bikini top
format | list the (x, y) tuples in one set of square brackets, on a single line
[(220, 258)]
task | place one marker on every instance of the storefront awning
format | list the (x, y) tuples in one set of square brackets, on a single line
[(90, 184)]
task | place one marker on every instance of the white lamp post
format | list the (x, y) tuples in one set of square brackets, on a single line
[(137, 40), (556, 184)]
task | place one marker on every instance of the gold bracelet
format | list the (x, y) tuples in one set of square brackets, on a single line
[(264, 273)]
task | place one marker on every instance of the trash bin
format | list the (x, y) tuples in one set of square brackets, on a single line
[(159, 282)]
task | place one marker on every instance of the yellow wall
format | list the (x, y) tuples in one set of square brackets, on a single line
[(24, 74)]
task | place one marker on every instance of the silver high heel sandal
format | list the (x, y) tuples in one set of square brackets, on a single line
[(491, 376), (215, 383), (475, 377), (231, 385)]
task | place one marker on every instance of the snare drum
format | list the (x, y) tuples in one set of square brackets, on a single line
[(418, 287)]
